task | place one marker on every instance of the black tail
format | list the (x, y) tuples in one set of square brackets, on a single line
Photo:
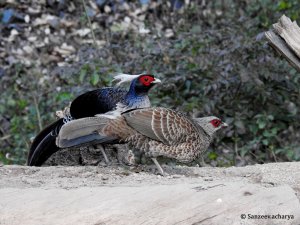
[(44, 145)]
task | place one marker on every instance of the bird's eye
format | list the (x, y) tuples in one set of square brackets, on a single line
[(146, 79), (216, 122)]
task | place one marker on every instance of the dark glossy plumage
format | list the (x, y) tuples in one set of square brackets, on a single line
[(89, 104), (53, 127), (96, 102)]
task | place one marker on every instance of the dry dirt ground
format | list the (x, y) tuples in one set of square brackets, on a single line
[(119, 195)]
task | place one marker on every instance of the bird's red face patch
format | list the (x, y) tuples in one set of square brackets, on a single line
[(146, 80), (216, 123)]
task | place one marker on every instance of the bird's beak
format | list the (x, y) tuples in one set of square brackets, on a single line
[(224, 125), (156, 81)]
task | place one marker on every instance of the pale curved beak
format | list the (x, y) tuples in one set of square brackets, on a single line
[(224, 125), (156, 81)]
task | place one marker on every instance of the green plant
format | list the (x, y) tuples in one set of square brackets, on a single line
[(212, 65)]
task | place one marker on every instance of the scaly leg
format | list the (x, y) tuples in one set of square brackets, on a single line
[(161, 171), (101, 147)]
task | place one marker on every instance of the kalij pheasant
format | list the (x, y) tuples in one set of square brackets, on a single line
[(89, 104), (155, 131)]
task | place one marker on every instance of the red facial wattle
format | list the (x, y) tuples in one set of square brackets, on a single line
[(146, 80), (216, 122)]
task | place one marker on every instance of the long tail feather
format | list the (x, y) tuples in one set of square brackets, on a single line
[(43, 151), (44, 142)]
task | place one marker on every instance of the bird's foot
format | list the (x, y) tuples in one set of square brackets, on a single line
[(101, 148), (160, 170)]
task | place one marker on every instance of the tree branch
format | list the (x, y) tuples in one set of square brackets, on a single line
[(284, 37)]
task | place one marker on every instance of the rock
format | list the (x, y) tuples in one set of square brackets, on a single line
[(46, 19), (32, 38), (169, 33), (27, 19), (83, 32), (13, 34), (65, 49), (28, 49)]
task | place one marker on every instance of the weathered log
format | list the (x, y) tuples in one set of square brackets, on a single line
[(285, 38), (253, 195)]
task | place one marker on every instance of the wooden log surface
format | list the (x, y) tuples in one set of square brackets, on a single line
[(189, 195)]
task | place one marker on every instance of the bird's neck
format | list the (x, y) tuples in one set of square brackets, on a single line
[(134, 100), (208, 135), (137, 96)]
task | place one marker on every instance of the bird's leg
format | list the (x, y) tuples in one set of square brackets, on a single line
[(103, 153), (161, 171), (202, 163)]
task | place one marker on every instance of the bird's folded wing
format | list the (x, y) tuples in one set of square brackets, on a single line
[(81, 131), (87, 140), (161, 124)]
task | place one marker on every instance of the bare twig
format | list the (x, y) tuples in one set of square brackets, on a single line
[(285, 38), (90, 23), (38, 112), (5, 137), (273, 154)]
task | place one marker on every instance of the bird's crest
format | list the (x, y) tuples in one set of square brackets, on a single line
[(124, 78)]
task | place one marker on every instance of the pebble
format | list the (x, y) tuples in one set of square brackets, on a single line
[(14, 32), (13, 35), (28, 49), (127, 19), (27, 19), (83, 32), (219, 200), (62, 32), (107, 9), (32, 38), (169, 33), (104, 178), (47, 31), (142, 30), (46, 40)]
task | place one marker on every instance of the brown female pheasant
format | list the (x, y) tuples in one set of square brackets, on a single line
[(154, 131)]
